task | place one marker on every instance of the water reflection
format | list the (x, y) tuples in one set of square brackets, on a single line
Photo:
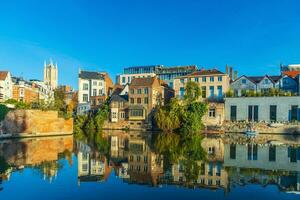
[(133, 157)]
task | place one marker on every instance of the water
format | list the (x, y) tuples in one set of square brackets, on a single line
[(124, 166)]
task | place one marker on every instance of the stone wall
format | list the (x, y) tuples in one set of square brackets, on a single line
[(35, 122), (130, 125)]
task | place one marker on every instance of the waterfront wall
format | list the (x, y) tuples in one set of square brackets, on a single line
[(35, 123), (123, 125)]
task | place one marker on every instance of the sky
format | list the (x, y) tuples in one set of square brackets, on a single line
[(253, 36)]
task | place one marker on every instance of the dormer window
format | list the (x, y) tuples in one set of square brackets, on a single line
[(244, 81)]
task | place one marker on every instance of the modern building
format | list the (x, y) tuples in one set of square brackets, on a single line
[(268, 109), (5, 86), (213, 84), (51, 74), (130, 73), (144, 95), (168, 74)]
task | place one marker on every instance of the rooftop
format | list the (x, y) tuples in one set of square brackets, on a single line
[(91, 75), (3, 75), (203, 72), (292, 74), (148, 81)]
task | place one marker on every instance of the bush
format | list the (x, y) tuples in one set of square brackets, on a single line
[(3, 111)]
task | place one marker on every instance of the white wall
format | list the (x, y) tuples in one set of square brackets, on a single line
[(283, 107)]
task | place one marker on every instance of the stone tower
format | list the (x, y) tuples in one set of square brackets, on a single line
[(51, 74)]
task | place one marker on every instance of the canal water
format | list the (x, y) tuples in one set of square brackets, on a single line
[(128, 166)]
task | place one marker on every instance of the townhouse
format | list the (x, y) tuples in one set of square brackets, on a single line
[(144, 95), (5, 86), (93, 90), (213, 84)]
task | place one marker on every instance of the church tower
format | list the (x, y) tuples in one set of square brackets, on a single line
[(51, 74)]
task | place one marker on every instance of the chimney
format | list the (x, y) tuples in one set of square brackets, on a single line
[(235, 76), (230, 73), (227, 69)]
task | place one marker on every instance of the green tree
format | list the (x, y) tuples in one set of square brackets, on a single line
[(3, 111), (192, 92)]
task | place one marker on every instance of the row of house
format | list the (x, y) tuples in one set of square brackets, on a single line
[(140, 89)]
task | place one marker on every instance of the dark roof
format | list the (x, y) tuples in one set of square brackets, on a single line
[(148, 81), (3, 75), (136, 106), (119, 98), (258, 79), (188, 68), (206, 72), (91, 75)]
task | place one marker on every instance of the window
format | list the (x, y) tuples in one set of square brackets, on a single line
[(181, 92), (85, 98), (273, 113), (211, 79), (95, 83), (218, 171), (232, 151), (145, 90), (123, 79), (100, 92), (294, 113), (181, 80), (131, 158), (292, 154), (204, 79), (132, 91), (139, 100), (212, 112), (94, 92), (137, 113), (266, 81), (139, 91), (220, 78), (211, 150), (85, 86), (203, 91), (210, 168), (146, 100), (114, 115), (233, 113), (138, 158), (145, 159), (252, 113), (272, 153), (202, 169), (252, 152), (244, 81), (220, 91), (212, 91), (132, 100), (145, 168), (197, 79), (122, 115)]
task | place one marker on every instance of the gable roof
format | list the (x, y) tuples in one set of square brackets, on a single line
[(258, 79), (3, 75), (292, 74), (91, 75), (119, 98)]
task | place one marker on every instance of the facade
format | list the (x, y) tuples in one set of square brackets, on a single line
[(263, 84), (24, 91), (213, 84), (91, 88), (137, 72), (268, 109), (118, 108), (51, 74), (5, 86), (144, 95), (46, 92), (215, 115), (168, 74)]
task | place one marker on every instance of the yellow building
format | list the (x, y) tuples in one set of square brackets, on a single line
[(213, 83)]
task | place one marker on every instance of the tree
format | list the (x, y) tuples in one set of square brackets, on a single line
[(192, 92), (3, 111)]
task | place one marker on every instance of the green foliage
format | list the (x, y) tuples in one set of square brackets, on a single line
[(101, 116), (3, 111), (17, 104), (230, 93), (3, 165), (192, 92)]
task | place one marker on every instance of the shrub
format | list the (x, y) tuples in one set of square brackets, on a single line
[(3, 111)]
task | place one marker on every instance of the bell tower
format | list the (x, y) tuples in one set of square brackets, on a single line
[(51, 74)]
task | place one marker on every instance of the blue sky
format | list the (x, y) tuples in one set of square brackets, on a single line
[(253, 36)]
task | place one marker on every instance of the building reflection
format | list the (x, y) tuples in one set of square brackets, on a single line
[(270, 163), (41, 154)]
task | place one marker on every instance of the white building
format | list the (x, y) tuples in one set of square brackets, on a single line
[(91, 85), (6, 86), (51, 74), (279, 108)]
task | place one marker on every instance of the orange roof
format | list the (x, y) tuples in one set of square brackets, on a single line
[(3, 75), (292, 74)]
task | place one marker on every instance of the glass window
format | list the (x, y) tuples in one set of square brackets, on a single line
[(94, 92), (146, 90), (132, 100), (196, 79), (139, 100), (85, 86), (233, 113), (146, 101), (203, 91), (181, 92), (212, 112), (211, 79), (181, 80), (273, 113), (204, 79), (85, 98), (272, 153), (232, 151), (139, 91), (123, 79), (244, 81), (132, 91), (95, 83), (220, 78)]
